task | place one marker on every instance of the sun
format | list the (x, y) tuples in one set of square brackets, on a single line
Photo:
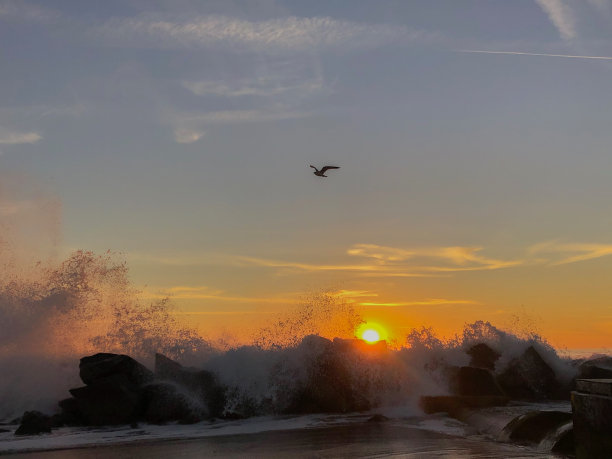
[(371, 332), (370, 336)]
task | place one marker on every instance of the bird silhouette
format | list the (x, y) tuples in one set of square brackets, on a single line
[(321, 173)]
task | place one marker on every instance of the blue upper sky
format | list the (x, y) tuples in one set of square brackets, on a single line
[(180, 133)]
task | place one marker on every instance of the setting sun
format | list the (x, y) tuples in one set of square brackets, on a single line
[(371, 332), (371, 336)]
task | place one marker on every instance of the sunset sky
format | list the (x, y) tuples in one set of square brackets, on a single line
[(474, 139)]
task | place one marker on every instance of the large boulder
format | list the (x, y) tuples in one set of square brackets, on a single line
[(599, 368), (473, 381), (165, 402), (34, 423), (483, 356), (329, 386), (534, 426), (99, 366), (199, 385), (529, 377), (114, 399)]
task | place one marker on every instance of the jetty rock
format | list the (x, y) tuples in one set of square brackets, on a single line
[(96, 367), (483, 356), (200, 386), (598, 368), (34, 423), (529, 377)]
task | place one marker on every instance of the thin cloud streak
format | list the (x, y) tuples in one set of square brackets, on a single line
[(221, 313), (206, 293), (518, 53), (582, 251), (426, 302), (561, 15)]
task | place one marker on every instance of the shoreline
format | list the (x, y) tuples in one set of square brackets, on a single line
[(357, 439)]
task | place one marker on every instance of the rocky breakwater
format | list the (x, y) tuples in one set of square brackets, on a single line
[(481, 391), (120, 390)]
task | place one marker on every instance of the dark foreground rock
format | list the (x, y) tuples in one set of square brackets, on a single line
[(329, 386), (599, 368), (120, 390), (34, 423), (166, 402), (473, 381), (483, 356), (532, 427), (198, 387), (100, 366), (529, 377), (113, 399)]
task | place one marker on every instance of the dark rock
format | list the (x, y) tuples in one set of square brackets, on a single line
[(110, 400), (455, 404), (529, 377), (34, 423), (560, 441), (102, 365), (70, 413), (165, 403), (599, 368), (4, 430), (329, 387), (473, 381), (534, 426), (201, 385), (483, 356)]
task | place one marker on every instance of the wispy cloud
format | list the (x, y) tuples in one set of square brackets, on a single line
[(182, 135), (21, 10), (281, 34), (190, 127), (425, 302), (262, 87), (447, 259), (8, 137), (354, 294), (561, 15), (208, 293), (398, 262), (571, 252), (519, 53), (239, 116)]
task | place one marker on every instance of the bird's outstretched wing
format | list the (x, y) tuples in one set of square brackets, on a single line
[(314, 167), (329, 167)]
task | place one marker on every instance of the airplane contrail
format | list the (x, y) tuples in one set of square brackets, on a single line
[(517, 53)]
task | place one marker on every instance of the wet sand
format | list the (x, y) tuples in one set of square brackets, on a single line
[(357, 440)]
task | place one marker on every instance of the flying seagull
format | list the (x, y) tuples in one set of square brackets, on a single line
[(321, 173)]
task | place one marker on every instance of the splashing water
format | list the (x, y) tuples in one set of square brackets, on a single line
[(86, 304)]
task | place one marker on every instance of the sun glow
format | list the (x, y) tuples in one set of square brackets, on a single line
[(371, 336), (371, 332)]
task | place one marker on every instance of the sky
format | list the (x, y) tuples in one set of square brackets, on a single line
[(473, 138)]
